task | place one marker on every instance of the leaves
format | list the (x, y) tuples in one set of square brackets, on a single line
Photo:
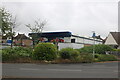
[(9, 23)]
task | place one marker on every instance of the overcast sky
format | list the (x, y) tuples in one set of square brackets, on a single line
[(81, 17)]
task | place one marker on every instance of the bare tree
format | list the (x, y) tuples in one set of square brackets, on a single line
[(37, 28), (14, 25)]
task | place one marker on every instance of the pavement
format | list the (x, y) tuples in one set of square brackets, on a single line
[(82, 70)]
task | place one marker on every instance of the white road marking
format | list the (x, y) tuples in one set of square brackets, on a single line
[(28, 69), (63, 70), (50, 69)]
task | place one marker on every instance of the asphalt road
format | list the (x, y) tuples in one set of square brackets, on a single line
[(90, 70)]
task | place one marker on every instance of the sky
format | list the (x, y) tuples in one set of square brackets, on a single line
[(81, 17)]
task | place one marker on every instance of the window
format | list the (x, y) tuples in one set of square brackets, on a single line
[(72, 40)]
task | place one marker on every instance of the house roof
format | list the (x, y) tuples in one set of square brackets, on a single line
[(21, 36), (116, 36)]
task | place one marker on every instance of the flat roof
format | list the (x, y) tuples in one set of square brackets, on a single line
[(52, 34), (58, 34)]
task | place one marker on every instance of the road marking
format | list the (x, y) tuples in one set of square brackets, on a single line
[(50, 69), (28, 69), (63, 70)]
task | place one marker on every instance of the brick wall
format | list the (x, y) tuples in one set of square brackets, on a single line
[(25, 42)]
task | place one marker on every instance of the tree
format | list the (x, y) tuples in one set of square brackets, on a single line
[(6, 21), (37, 28), (14, 25), (9, 24)]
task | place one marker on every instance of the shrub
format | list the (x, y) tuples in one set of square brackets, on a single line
[(118, 50), (23, 52), (9, 54), (100, 49), (86, 49), (75, 55), (104, 57), (97, 55), (45, 51), (69, 53), (86, 57)]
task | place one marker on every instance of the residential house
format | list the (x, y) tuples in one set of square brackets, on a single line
[(22, 40), (113, 39)]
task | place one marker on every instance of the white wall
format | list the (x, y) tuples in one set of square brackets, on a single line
[(67, 39), (71, 45), (110, 40), (68, 43), (80, 40)]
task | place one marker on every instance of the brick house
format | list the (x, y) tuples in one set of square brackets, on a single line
[(22, 40)]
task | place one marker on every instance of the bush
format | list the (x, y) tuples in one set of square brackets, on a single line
[(118, 50), (23, 52), (100, 49), (10, 54), (69, 53), (75, 55), (45, 51), (86, 57), (86, 49), (104, 57)]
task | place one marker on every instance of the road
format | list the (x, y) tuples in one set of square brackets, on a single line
[(82, 70)]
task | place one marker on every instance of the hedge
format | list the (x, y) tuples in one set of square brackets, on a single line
[(100, 49)]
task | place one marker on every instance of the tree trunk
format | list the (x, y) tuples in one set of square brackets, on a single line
[(11, 41), (21, 41)]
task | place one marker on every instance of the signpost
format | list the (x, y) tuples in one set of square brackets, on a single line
[(93, 43)]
